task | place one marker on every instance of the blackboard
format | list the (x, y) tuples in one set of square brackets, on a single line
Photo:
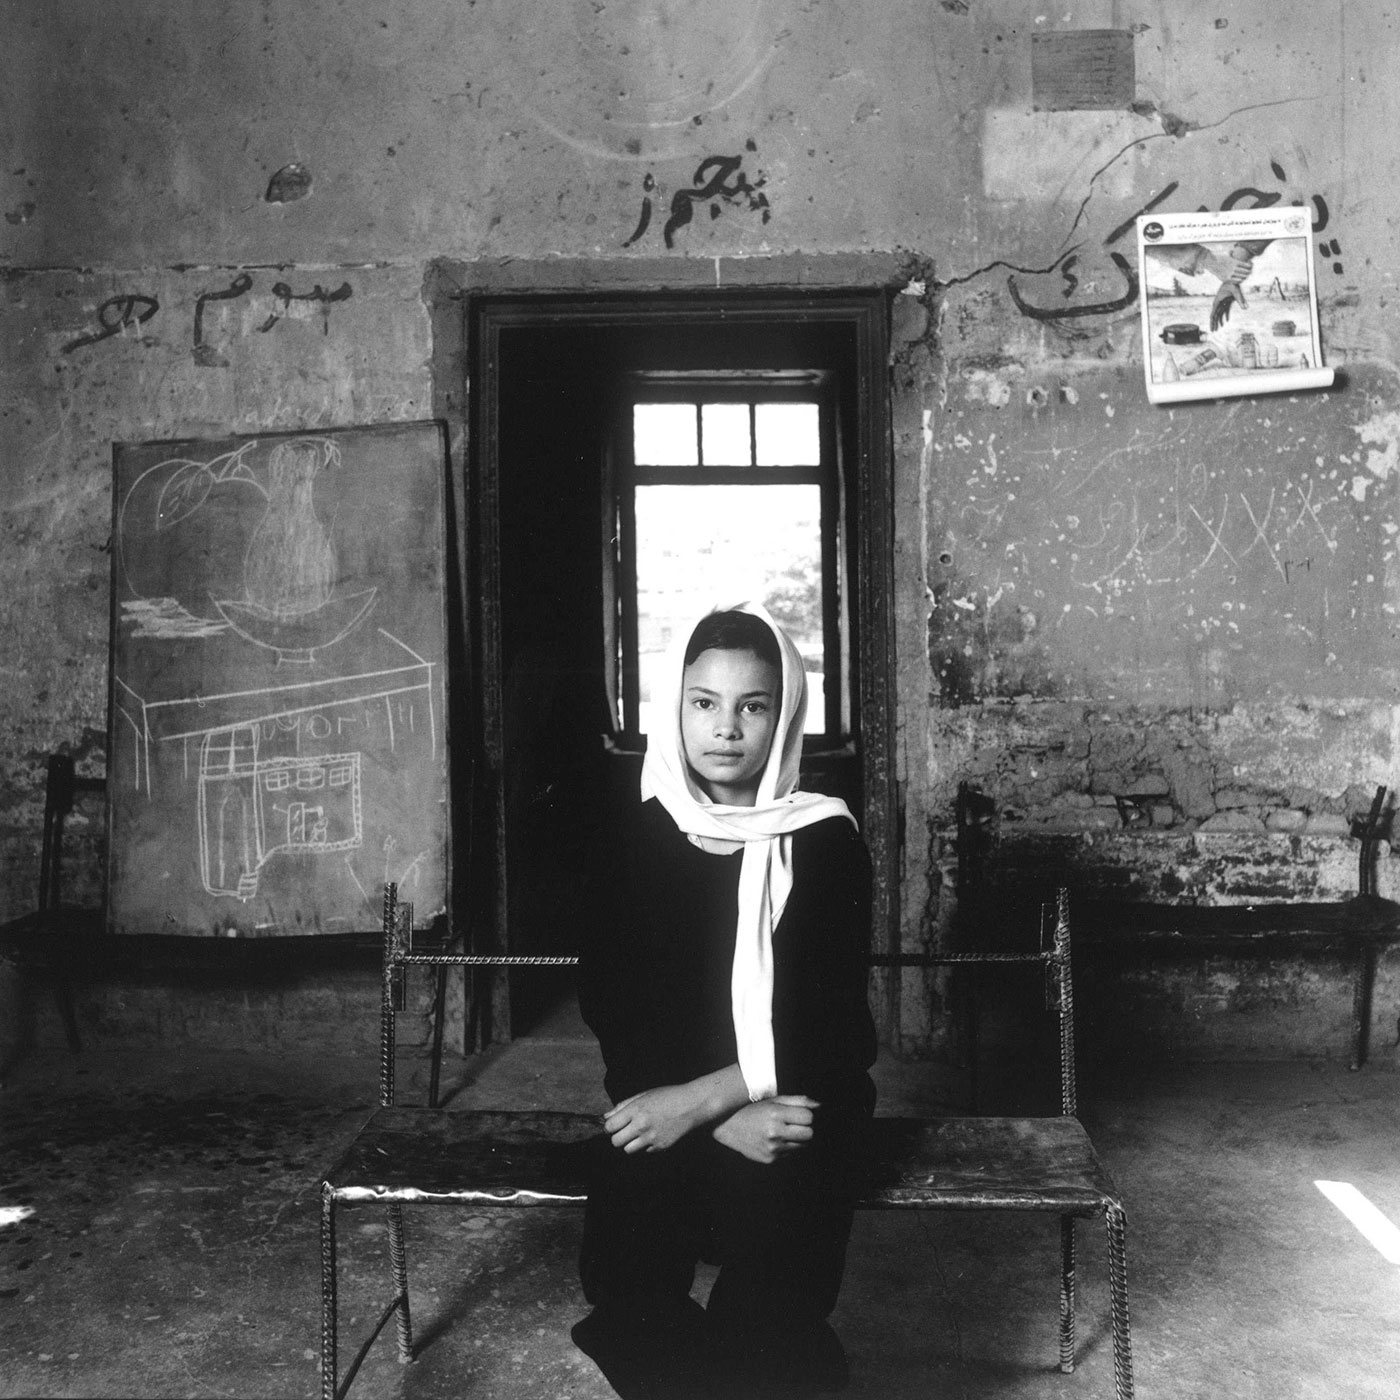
[(278, 746)]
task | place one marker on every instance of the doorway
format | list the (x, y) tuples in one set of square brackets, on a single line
[(564, 492)]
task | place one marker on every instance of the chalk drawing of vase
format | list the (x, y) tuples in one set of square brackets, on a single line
[(289, 569)]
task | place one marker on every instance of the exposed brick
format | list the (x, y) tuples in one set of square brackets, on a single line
[(1235, 820)]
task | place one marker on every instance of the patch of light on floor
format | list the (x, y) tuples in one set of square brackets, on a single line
[(12, 1215), (1373, 1224)]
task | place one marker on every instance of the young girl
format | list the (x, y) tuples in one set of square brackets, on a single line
[(724, 973)]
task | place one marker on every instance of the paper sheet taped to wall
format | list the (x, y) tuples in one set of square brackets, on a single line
[(1084, 69), (1229, 304)]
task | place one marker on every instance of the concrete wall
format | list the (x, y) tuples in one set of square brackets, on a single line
[(222, 218)]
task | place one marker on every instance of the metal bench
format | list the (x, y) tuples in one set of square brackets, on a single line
[(1109, 929), (57, 939), (421, 1156)]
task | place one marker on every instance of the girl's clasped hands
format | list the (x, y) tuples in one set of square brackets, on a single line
[(659, 1118)]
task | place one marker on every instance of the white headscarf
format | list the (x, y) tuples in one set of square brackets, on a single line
[(763, 830)]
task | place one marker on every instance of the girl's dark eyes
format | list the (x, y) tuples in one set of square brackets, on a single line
[(753, 707)]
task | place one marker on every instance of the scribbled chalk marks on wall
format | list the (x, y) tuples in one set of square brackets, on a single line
[(719, 182), (278, 748), (1206, 557), (130, 311), (603, 79), (1069, 266)]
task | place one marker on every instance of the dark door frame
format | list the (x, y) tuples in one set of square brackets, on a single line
[(867, 313)]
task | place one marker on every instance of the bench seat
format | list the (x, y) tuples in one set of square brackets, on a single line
[(503, 1158)]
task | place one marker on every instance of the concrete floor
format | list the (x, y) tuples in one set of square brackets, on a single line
[(171, 1249)]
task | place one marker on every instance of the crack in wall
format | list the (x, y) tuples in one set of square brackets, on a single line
[(1174, 126)]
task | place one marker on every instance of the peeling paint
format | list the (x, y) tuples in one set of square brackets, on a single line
[(289, 184), (989, 388), (1384, 431)]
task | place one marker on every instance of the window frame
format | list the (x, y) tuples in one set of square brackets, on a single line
[(753, 387)]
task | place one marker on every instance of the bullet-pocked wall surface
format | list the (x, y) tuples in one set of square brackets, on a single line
[(222, 220)]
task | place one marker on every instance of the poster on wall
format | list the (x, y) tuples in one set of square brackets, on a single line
[(1229, 304)]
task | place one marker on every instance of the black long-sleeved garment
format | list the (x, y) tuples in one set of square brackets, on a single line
[(658, 949), (655, 987)]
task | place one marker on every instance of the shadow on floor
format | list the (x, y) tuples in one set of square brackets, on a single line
[(161, 1239)]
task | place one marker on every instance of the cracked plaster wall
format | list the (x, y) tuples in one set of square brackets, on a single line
[(1236, 704)]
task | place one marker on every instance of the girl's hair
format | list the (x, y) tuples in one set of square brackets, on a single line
[(734, 631)]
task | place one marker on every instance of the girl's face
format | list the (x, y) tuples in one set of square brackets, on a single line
[(730, 704)]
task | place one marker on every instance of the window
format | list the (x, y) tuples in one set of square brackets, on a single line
[(727, 490)]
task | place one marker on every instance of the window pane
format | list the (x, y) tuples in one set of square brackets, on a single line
[(705, 546), (724, 434), (663, 434), (787, 434)]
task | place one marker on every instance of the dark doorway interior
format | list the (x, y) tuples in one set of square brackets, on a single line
[(546, 381)]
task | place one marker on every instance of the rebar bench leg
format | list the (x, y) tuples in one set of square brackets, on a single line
[(1363, 979), (1118, 1285), (333, 1385), (398, 1262), (1067, 1293), (328, 1298)]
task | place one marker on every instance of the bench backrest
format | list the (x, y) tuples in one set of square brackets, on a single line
[(399, 954)]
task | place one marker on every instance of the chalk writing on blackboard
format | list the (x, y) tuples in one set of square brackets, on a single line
[(289, 603), (278, 748)]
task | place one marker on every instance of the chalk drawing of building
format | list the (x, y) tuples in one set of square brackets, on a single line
[(251, 809), (279, 769)]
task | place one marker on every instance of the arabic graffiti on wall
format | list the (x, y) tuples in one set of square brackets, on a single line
[(117, 314), (130, 311), (203, 353), (1069, 266), (718, 182)]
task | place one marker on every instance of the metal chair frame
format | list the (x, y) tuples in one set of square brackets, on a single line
[(44, 940), (526, 1159)]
